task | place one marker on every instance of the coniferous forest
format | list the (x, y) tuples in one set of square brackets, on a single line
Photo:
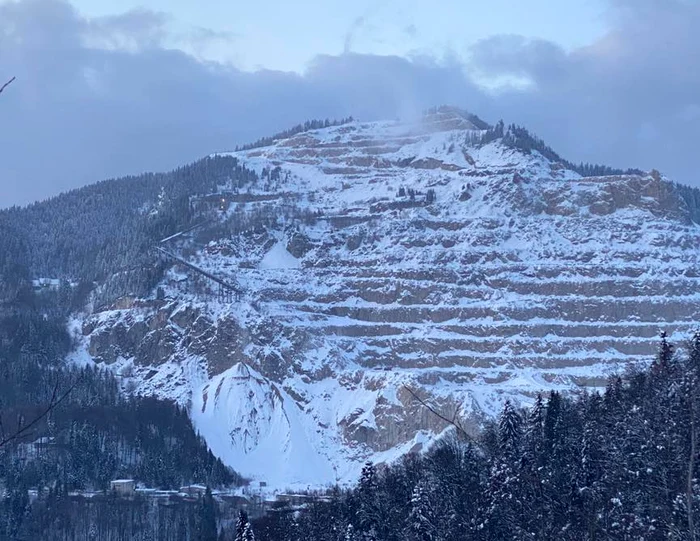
[(67, 430), (104, 233), (621, 465)]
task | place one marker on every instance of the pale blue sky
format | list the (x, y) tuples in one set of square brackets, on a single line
[(286, 35)]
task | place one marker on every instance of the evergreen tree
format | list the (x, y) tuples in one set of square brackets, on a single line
[(530, 472), (591, 468), (248, 534), (534, 432), (509, 430), (368, 496), (664, 357), (206, 526), (241, 525), (687, 504), (503, 512), (421, 521)]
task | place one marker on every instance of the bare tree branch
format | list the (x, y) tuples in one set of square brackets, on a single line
[(454, 421), (3, 87), (23, 429)]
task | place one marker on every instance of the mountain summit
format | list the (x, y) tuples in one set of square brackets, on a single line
[(331, 279)]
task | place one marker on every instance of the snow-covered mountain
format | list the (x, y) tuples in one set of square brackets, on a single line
[(380, 262)]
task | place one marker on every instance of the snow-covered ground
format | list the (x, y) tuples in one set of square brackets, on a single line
[(520, 277)]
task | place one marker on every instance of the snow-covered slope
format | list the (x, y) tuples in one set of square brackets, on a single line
[(379, 261)]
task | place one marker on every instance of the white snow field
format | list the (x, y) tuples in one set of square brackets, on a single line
[(521, 276)]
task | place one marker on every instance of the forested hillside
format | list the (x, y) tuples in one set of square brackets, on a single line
[(622, 465), (106, 231), (94, 433), (95, 239)]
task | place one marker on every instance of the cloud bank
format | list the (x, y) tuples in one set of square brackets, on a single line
[(105, 97)]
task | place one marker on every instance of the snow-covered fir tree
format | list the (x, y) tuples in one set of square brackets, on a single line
[(242, 524), (368, 513), (421, 520)]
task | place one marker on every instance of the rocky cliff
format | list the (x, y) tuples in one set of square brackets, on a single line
[(380, 262)]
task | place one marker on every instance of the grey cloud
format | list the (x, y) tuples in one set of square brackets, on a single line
[(79, 113), (200, 37), (629, 99), (371, 87), (513, 54), (133, 30)]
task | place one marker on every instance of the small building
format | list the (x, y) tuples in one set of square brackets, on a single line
[(123, 487), (37, 448), (46, 284)]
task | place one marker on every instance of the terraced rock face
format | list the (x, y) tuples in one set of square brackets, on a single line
[(497, 275)]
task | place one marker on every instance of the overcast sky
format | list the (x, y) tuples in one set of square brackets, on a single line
[(113, 87)]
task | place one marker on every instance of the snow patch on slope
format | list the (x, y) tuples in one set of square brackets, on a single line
[(258, 429), (279, 258)]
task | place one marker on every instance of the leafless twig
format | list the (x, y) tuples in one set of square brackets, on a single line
[(23, 429), (3, 87)]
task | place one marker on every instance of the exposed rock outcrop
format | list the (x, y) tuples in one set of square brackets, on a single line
[(520, 276)]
